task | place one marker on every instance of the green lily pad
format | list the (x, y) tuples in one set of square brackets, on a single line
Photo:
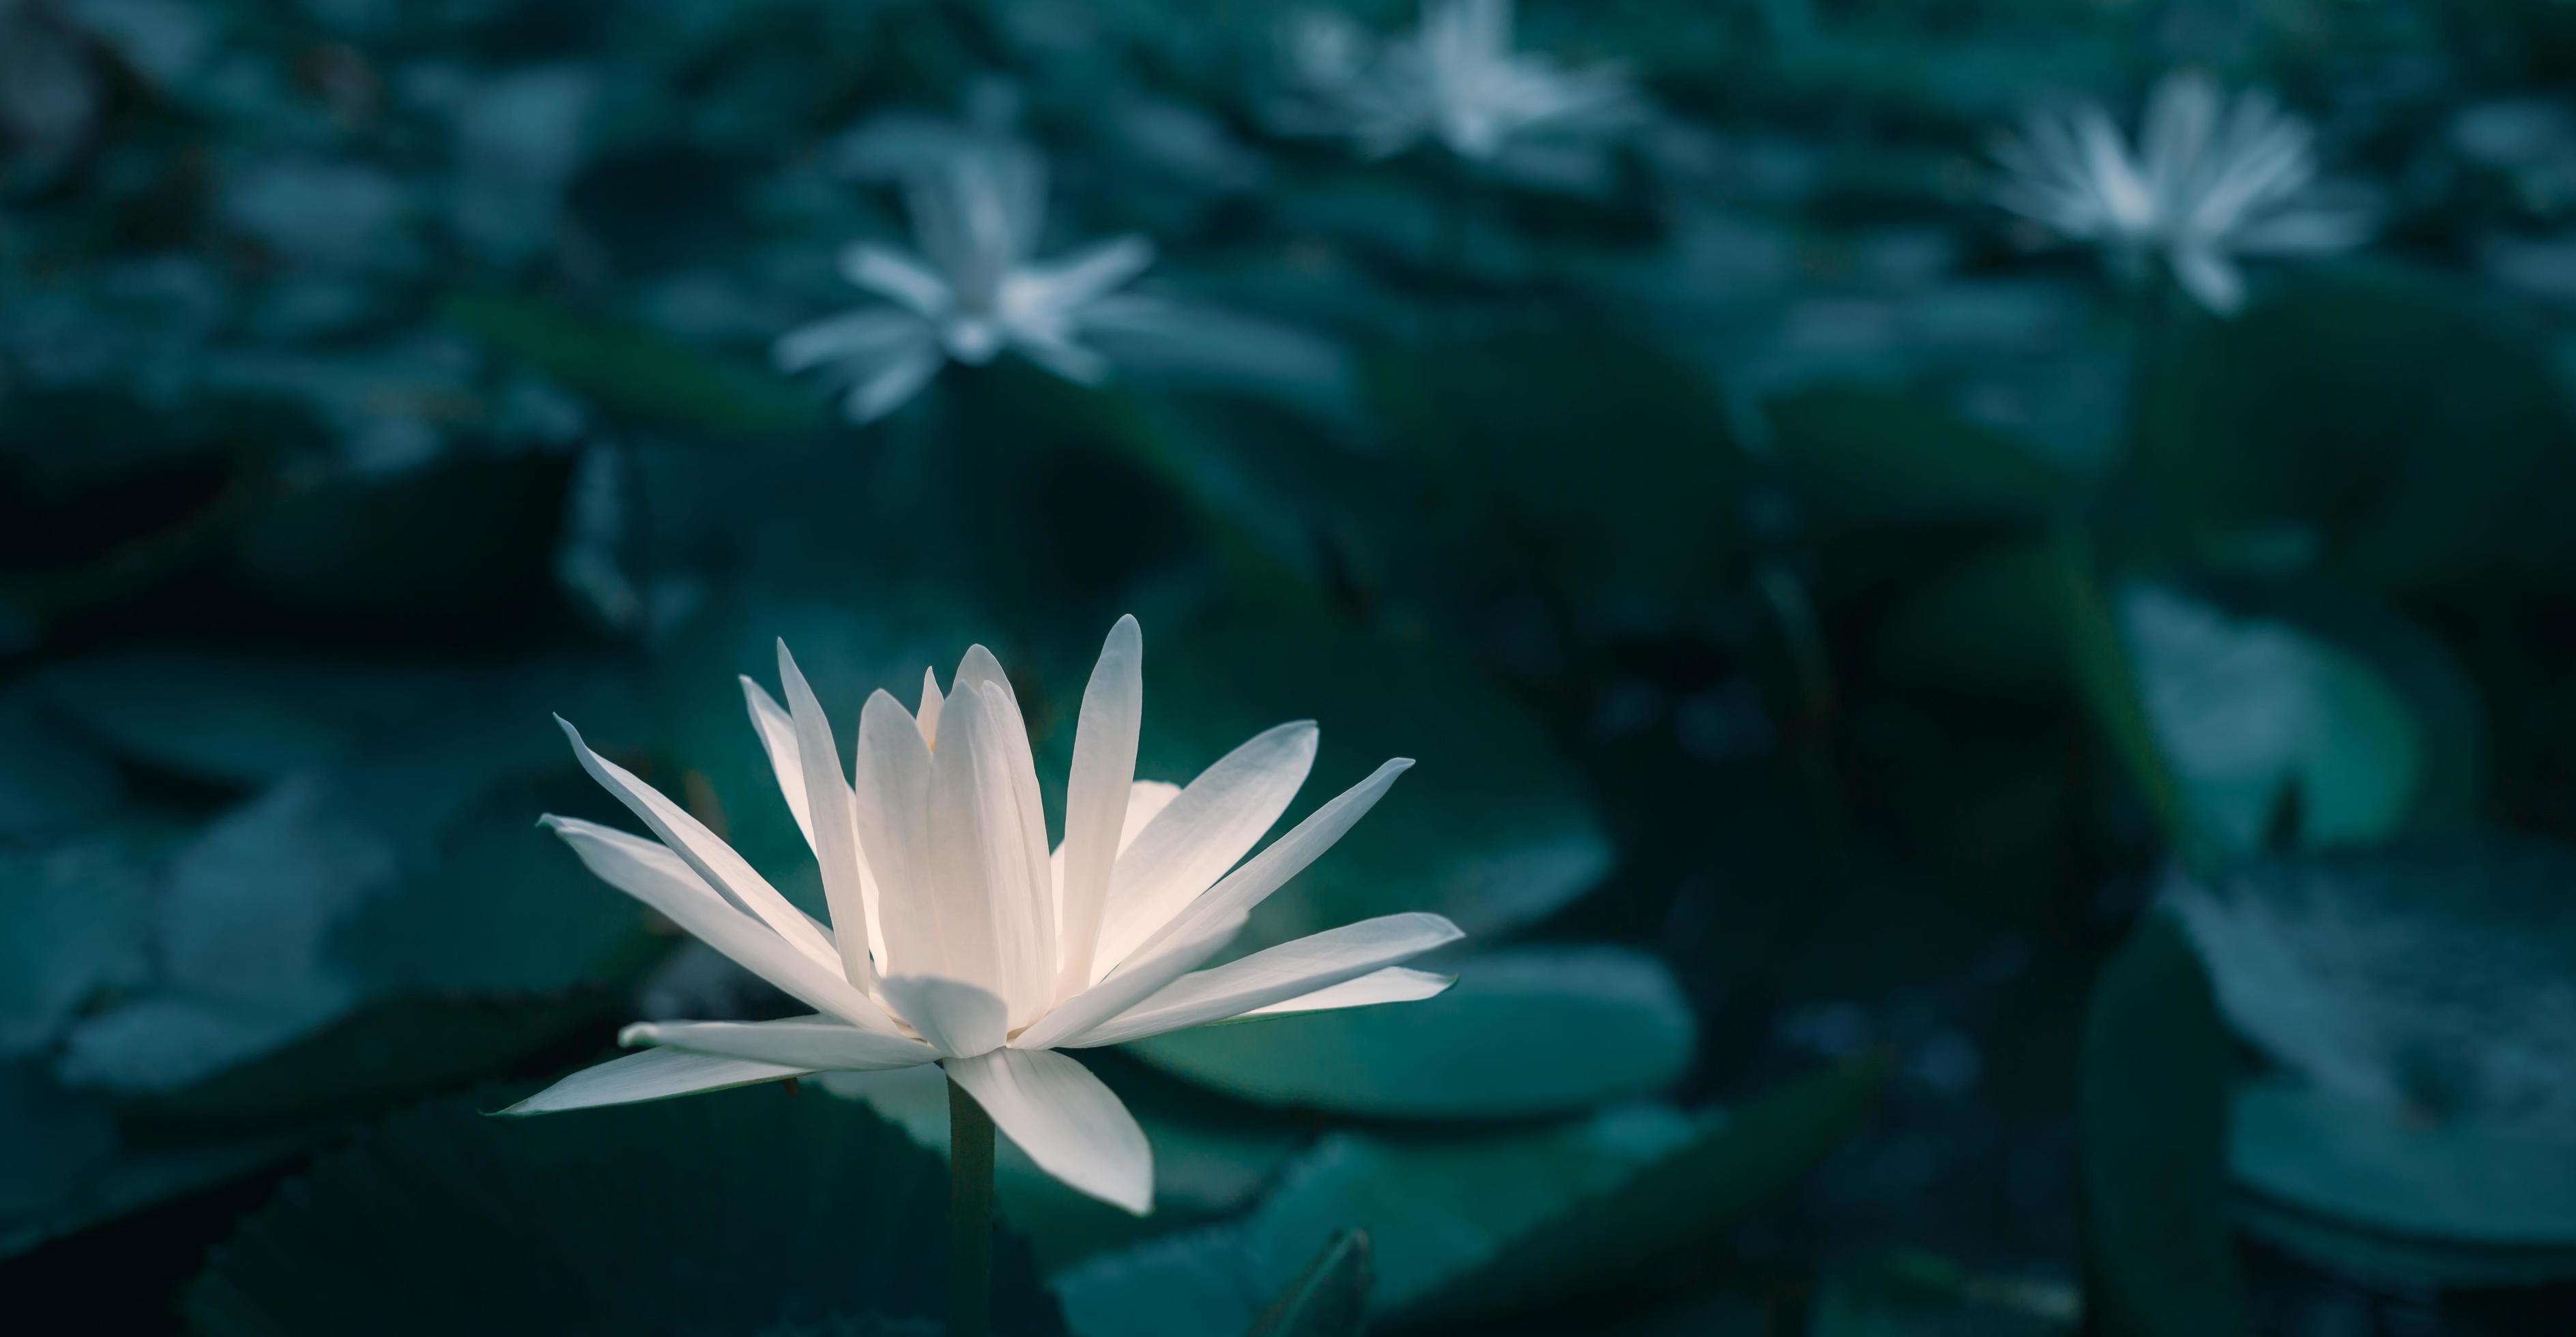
[(2350, 1161), (382, 929), (2427, 978), (2257, 716), (1526, 1031), (737, 1211), (2152, 1114), (1464, 1227), (1328, 1299)]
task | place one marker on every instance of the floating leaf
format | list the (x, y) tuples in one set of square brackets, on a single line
[(2153, 1084), (2359, 1163), (1468, 1226), (645, 1218), (1328, 1299), (2428, 979), (380, 929), (2257, 717), (1527, 1031)]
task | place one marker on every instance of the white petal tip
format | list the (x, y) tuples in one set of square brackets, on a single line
[(641, 1033)]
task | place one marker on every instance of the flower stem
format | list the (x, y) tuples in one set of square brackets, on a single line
[(970, 1216)]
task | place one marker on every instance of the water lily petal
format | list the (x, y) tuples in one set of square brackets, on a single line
[(778, 740), (957, 1018), (1214, 821), (652, 874), (896, 277), (1074, 1127), (870, 337), (655, 1074), (1395, 984), (893, 382), (835, 832), (704, 851), (1015, 831), (1096, 796), (1287, 856), (1070, 281), (1146, 800), (1275, 975), (891, 807), (963, 850), (1143, 975), (930, 703), (811, 1043)]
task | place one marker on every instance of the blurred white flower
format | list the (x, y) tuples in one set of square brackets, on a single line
[(957, 939), (2212, 179), (974, 288), (1455, 79)]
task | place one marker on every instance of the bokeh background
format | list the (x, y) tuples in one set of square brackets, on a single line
[(1986, 798)]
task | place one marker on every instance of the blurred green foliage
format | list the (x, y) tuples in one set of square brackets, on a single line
[(1984, 799)]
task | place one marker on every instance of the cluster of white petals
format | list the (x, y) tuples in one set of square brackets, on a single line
[(974, 288), (2212, 178), (1455, 81), (957, 938)]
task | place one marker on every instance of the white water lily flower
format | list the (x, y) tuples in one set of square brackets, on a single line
[(2212, 179), (974, 289), (1455, 79), (956, 938)]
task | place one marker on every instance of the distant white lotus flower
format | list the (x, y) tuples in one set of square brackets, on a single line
[(957, 939), (1455, 80), (2212, 179), (974, 289)]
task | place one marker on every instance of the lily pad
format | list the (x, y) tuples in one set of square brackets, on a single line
[(1463, 1227), (2455, 1181), (1526, 1031), (737, 1211), (2259, 718), (1328, 1299), (2428, 979)]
